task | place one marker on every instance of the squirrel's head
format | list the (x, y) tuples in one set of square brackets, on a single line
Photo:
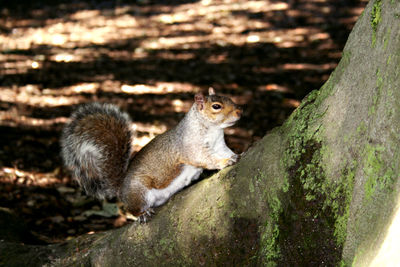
[(219, 110)]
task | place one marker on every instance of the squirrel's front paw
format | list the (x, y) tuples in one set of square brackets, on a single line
[(228, 161), (234, 159), (144, 217)]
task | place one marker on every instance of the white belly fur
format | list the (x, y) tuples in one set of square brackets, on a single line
[(157, 197)]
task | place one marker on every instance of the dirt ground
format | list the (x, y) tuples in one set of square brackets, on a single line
[(148, 57)]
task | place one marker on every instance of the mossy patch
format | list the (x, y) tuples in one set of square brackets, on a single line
[(375, 19), (307, 226), (305, 212), (378, 175), (386, 38), (376, 14), (339, 201), (380, 168), (270, 250), (380, 81), (318, 209)]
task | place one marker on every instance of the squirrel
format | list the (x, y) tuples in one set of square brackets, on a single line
[(96, 147)]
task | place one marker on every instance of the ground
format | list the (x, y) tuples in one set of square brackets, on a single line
[(148, 57)]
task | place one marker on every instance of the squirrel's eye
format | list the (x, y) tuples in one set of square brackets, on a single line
[(216, 106)]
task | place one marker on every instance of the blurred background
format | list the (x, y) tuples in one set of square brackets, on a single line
[(149, 57)]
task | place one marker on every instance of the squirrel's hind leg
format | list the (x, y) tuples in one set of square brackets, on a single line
[(133, 196), (139, 199), (156, 197)]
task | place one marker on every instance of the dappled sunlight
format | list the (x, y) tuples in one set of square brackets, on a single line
[(64, 57), (151, 131), (157, 88), (291, 103), (140, 142), (10, 118), (17, 176), (306, 66), (183, 26), (92, 27), (79, 30), (275, 87), (149, 128), (30, 95), (88, 88), (149, 58), (15, 64), (135, 32)]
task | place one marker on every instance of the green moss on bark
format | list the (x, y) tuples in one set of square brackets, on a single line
[(270, 251), (308, 216), (375, 19), (378, 174), (339, 200)]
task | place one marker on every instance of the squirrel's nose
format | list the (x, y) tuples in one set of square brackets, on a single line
[(238, 112)]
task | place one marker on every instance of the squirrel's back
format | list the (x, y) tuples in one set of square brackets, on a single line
[(96, 146)]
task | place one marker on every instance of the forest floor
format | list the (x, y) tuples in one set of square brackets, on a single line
[(149, 57)]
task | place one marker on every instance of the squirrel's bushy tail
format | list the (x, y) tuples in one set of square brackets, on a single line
[(96, 146)]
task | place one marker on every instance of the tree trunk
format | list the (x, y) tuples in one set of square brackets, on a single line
[(321, 190)]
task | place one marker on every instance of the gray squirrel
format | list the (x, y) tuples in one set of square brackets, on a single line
[(96, 147)]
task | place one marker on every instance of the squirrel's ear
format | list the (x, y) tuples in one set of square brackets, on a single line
[(211, 91), (199, 99)]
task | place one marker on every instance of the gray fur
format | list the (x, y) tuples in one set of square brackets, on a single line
[(87, 156)]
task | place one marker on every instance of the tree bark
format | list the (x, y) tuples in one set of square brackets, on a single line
[(321, 190)]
